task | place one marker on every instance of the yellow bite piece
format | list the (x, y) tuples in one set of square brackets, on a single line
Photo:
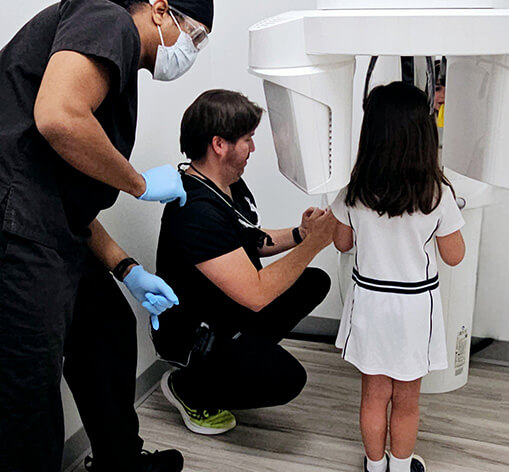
[(440, 119)]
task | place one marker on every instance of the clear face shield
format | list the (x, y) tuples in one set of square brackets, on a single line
[(196, 31)]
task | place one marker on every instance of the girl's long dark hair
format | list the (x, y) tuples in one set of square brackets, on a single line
[(397, 169)]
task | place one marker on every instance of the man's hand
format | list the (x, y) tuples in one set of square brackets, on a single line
[(309, 215), (163, 184), (151, 291), (321, 228)]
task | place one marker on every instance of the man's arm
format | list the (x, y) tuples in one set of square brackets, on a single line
[(105, 248), (283, 239), (239, 279), (72, 89)]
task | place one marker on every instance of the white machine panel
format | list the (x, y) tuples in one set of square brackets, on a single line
[(311, 123), (476, 136), (290, 113), (312, 54), (408, 4), (427, 32)]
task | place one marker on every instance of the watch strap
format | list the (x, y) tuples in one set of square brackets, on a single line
[(121, 267), (296, 235)]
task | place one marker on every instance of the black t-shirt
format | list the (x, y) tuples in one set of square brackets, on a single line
[(46, 199), (205, 228)]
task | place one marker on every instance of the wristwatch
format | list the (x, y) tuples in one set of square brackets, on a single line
[(121, 267), (296, 235)]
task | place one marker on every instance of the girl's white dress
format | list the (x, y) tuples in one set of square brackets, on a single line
[(392, 321)]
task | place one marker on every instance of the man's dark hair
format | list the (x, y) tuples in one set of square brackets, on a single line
[(397, 169), (222, 113)]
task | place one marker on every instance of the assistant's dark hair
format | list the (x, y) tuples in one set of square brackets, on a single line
[(222, 113), (397, 169), (130, 5)]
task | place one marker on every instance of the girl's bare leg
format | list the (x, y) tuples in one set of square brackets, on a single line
[(404, 417), (376, 395)]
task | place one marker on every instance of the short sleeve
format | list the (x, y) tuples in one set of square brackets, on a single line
[(339, 208), (451, 219), (101, 30), (201, 230)]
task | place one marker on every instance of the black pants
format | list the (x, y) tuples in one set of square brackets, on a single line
[(100, 368), (253, 370), (38, 290)]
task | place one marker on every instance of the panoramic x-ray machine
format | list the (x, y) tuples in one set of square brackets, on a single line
[(310, 63)]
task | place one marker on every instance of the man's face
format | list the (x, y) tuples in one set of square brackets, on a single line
[(238, 154)]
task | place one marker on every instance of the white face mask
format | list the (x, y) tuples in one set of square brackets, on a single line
[(174, 61)]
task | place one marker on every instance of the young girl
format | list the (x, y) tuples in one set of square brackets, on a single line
[(397, 204)]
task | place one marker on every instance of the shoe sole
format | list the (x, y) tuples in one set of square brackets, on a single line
[(415, 456), (189, 424)]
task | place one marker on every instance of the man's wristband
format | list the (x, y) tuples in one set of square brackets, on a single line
[(121, 267), (296, 235)]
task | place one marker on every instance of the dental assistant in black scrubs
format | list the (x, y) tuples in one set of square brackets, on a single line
[(68, 94)]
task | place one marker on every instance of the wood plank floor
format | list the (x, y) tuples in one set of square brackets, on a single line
[(462, 431)]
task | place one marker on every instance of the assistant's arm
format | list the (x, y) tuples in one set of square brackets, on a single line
[(239, 279), (105, 248), (150, 290), (72, 89)]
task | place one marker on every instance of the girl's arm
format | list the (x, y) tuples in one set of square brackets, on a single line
[(451, 248), (343, 237)]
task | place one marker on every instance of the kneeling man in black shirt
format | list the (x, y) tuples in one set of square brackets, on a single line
[(233, 312)]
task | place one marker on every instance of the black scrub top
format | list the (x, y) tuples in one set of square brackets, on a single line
[(44, 198), (205, 228)]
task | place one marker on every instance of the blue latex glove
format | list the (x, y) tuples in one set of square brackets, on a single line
[(151, 291), (164, 184)]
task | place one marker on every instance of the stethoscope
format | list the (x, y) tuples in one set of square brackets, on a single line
[(204, 182), (243, 220)]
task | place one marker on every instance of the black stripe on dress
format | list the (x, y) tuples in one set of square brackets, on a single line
[(404, 291), (394, 283)]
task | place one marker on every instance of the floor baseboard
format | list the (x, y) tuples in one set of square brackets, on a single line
[(316, 326)]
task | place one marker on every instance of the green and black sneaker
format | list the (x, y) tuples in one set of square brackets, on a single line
[(208, 422)]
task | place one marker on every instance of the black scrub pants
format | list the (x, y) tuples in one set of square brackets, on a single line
[(253, 370), (38, 290), (100, 369)]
